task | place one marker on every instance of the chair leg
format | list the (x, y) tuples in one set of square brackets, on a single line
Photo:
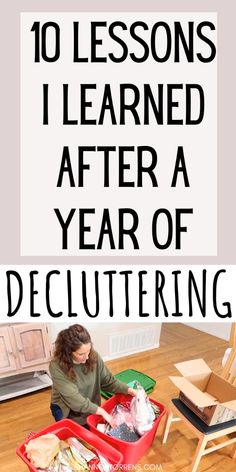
[(198, 454), (167, 424), (233, 453)]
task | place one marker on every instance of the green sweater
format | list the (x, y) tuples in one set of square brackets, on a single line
[(81, 397)]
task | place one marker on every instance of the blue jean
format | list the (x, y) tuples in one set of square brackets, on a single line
[(58, 415), (56, 411)]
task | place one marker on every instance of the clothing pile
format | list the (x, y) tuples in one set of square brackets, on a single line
[(132, 420), (50, 454)]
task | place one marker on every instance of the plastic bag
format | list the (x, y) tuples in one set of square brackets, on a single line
[(122, 414), (142, 412), (124, 428), (42, 450)]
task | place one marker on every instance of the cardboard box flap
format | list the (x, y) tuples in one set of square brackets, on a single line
[(197, 366), (231, 405), (193, 393), (221, 389)]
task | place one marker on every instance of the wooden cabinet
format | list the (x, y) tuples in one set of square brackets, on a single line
[(7, 355), (24, 347)]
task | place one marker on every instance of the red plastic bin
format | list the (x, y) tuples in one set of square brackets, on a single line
[(131, 451), (64, 429)]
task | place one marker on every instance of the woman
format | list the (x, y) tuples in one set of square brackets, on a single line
[(78, 374)]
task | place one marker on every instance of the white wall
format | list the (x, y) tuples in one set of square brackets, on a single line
[(101, 332), (221, 330)]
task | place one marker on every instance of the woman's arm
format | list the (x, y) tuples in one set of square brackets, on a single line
[(107, 417), (108, 382), (69, 392)]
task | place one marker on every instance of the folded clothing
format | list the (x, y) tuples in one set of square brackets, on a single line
[(124, 433)]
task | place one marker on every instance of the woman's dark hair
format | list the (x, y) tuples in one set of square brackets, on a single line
[(68, 341)]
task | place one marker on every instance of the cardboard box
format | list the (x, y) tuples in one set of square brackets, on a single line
[(209, 396)]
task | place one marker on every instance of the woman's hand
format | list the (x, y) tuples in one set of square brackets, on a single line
[(108, 418)]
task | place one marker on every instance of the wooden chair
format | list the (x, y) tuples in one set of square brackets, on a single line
[(178, 411), (232, 339)]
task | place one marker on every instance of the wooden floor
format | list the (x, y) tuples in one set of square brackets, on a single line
[(178, 342)]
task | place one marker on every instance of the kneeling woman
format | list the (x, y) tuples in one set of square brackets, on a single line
[(78, 374)]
